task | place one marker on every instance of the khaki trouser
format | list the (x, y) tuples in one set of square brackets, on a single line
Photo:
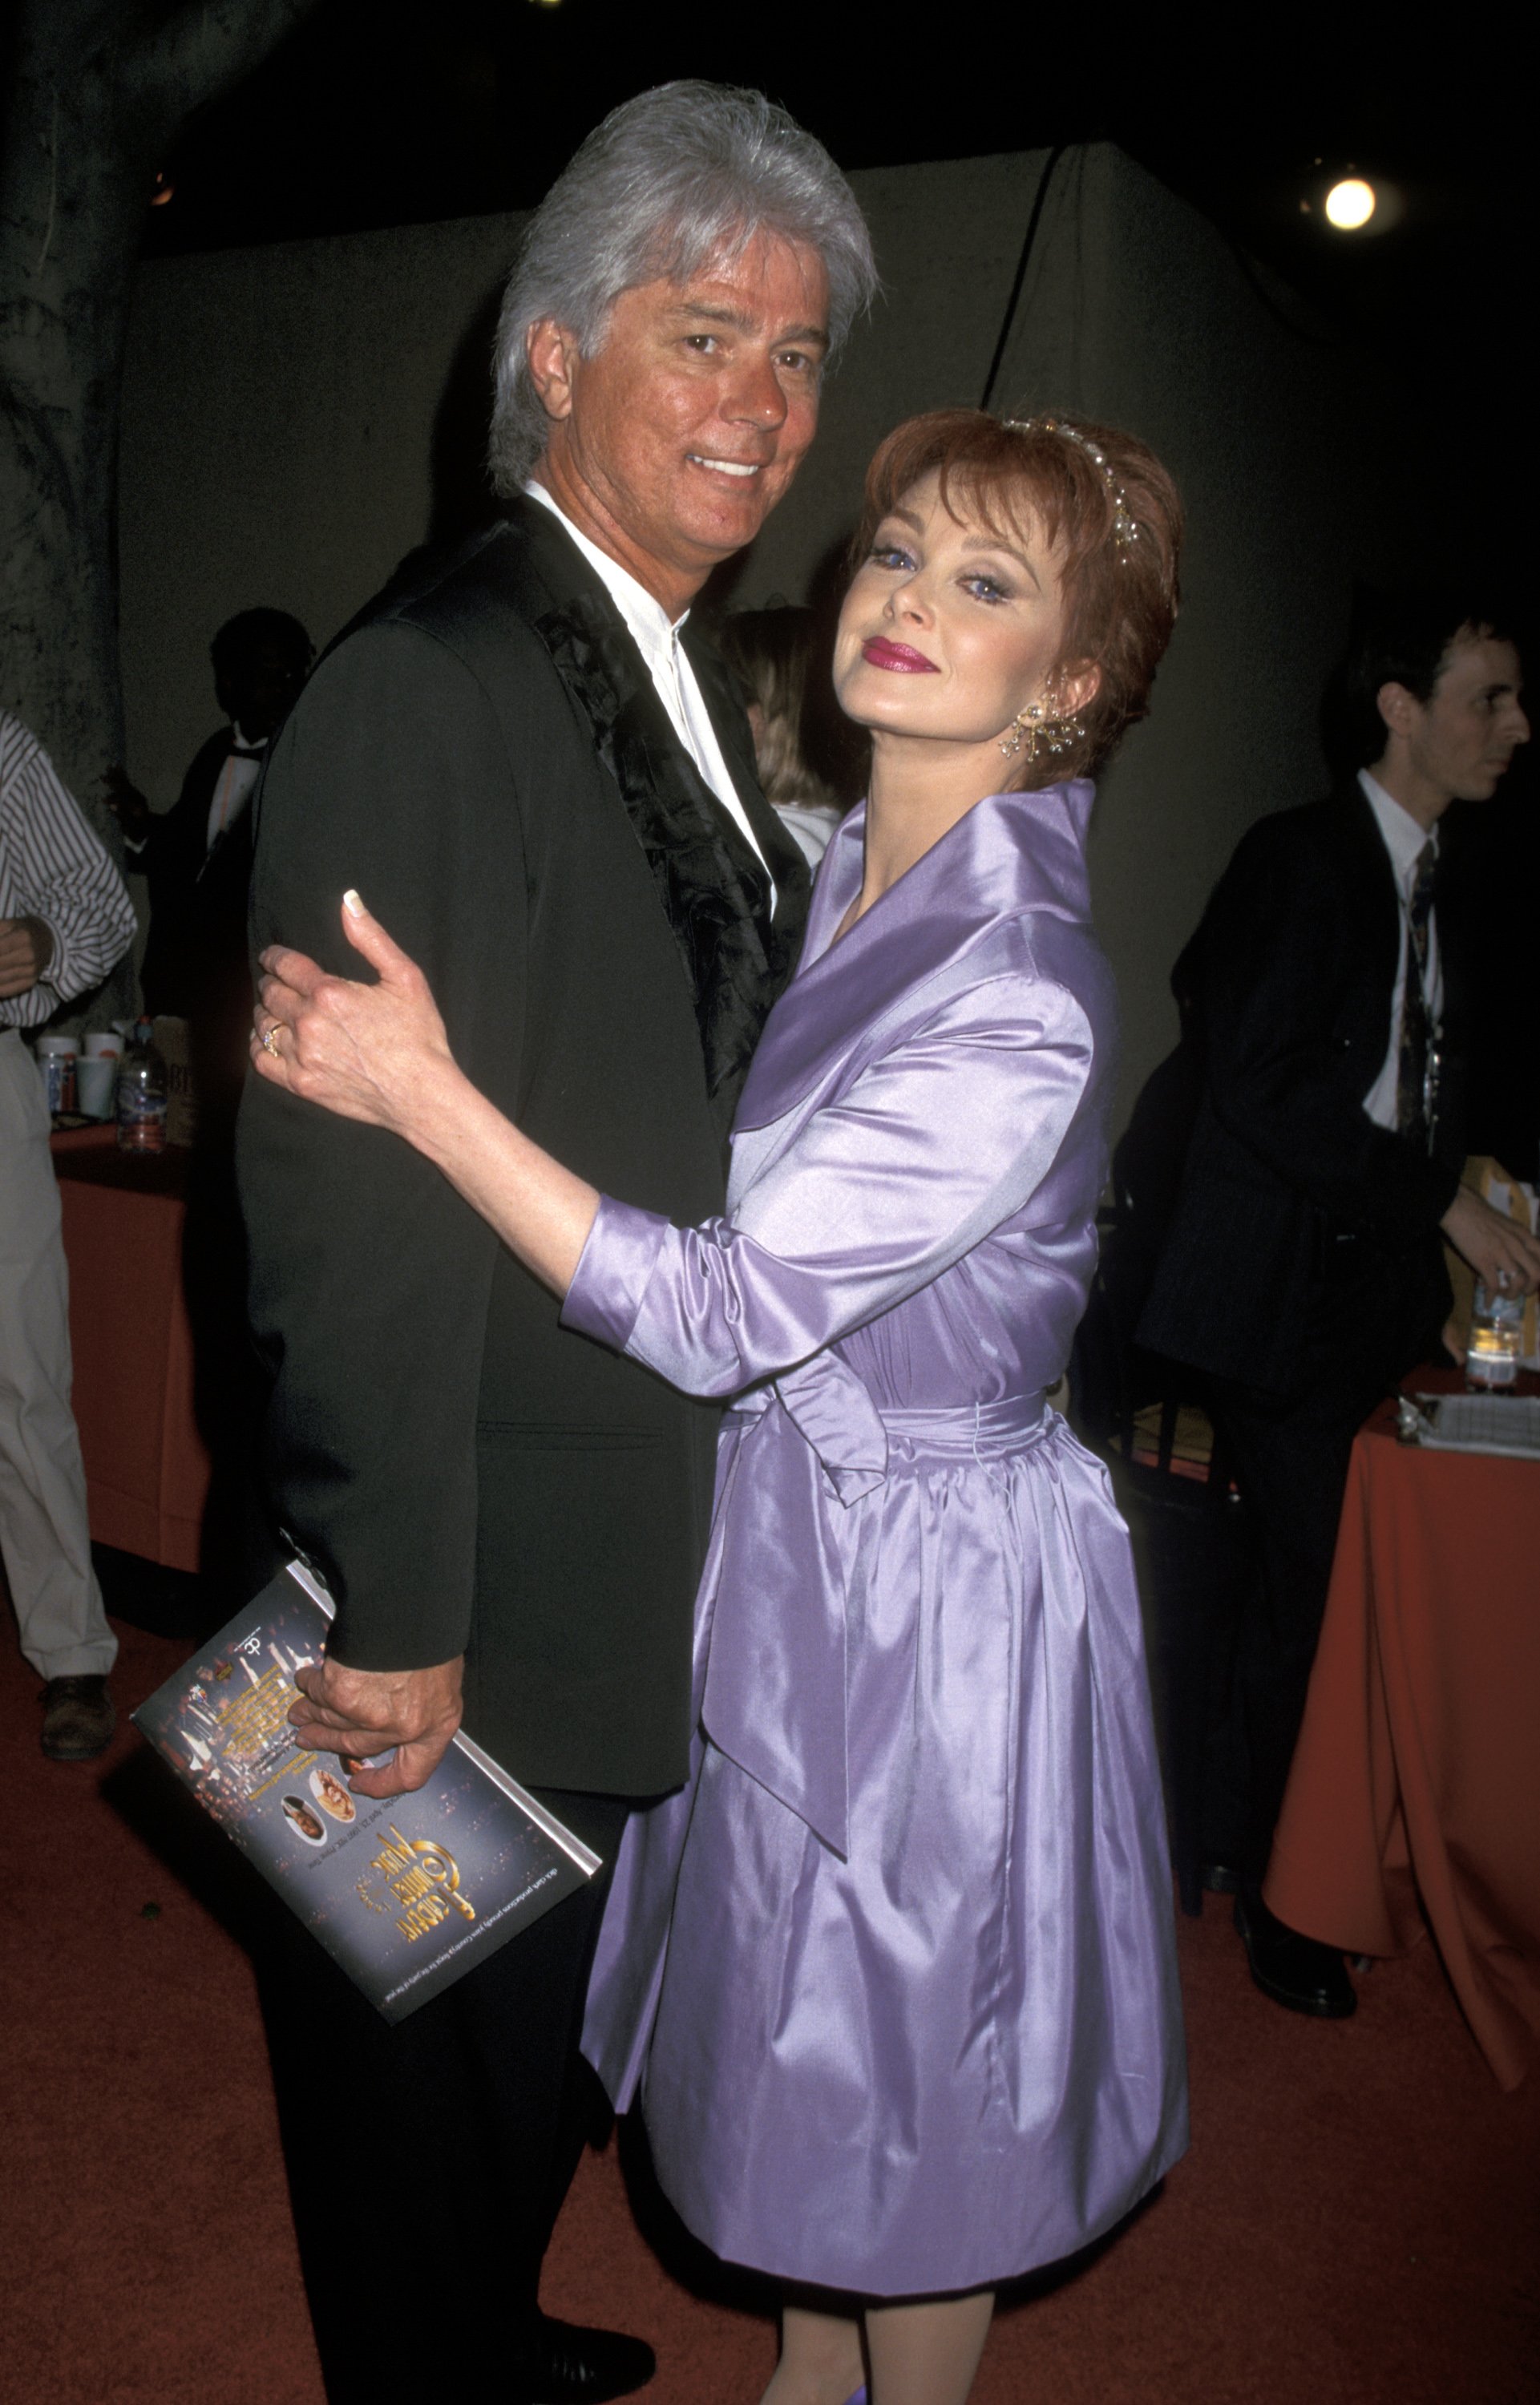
[(44, 1536)]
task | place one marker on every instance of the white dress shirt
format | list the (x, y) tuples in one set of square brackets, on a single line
[(1403, 839), (234, 785), (656, 638), (811, 826)]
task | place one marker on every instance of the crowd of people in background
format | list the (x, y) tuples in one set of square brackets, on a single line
[(542, 718)]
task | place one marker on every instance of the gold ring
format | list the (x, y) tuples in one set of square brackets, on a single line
[(270, 1041)]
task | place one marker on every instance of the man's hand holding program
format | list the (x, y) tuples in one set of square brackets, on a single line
[(363, 1712)]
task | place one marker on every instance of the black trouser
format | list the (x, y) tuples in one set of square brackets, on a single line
[(1289, 1456), (428, 2161)]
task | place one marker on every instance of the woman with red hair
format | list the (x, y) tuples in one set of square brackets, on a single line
[(894, 1975)]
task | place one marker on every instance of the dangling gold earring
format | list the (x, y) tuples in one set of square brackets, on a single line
[(1022, 724), (1061, 735)]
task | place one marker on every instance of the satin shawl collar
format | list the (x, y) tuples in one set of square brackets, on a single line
[(715, 894), (1012, 854)]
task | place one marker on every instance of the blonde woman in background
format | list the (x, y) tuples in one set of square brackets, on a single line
[(782, 659)]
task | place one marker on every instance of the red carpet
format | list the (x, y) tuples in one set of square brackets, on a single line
[(1358, 2222)]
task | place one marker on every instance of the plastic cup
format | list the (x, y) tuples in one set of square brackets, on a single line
[(96, 1085)]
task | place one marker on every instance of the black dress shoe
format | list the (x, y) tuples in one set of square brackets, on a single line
[(1298, 1972), (78, 1718), (572, 2366)]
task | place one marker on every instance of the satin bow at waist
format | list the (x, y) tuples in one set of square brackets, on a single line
[(832, 1409), (980, 1429), (774, 1697)]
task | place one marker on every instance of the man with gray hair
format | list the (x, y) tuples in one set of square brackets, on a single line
[(544, 785)]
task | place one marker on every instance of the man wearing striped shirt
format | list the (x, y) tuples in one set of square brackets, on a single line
[(65, 921)]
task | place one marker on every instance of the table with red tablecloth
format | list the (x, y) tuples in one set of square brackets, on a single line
[(146, 1466), (1414, 1800)]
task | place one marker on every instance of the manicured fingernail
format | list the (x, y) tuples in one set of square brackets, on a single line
[(352, 902)]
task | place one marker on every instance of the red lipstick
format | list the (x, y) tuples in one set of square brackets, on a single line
[(898, 657)]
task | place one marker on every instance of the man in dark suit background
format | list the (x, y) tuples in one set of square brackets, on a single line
[(197, 859), (197, 855), (544, 785), (1303, 1268)]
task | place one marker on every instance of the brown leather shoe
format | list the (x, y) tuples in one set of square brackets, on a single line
[(79, 1718)]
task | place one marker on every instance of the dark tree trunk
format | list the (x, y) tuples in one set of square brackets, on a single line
[(97, 91)]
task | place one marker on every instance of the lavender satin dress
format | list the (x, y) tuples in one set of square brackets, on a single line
[(896, 1972)]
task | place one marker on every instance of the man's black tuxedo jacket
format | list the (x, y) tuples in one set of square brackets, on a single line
[(195, 956), (483, 755), (1289, 1184)]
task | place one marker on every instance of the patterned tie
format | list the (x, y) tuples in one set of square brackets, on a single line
[(1416, 1028)]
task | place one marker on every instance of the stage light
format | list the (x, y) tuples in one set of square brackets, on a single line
[(1350, 205)]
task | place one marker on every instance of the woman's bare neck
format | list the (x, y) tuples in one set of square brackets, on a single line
[(915, 799)]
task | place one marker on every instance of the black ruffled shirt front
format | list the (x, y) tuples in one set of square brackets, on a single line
[(736, 954)]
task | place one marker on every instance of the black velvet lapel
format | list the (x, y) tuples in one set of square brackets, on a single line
[(714, 891)]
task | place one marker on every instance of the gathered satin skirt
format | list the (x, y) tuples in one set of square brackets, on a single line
[(953, 2052)]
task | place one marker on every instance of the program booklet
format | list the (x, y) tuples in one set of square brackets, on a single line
[(406, 1893)]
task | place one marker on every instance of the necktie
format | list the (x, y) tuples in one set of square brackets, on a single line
[(1412, 1115)]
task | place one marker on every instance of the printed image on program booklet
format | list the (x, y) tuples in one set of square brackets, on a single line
[(407, 1893)]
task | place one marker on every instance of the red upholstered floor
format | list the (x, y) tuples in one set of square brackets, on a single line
[(1358, 2220)]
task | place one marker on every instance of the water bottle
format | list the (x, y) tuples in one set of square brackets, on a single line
[(56, 1067), (142, 1095), (1497, 1332)]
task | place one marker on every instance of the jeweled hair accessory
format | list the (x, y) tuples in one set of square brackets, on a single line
[(1124, 531)]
